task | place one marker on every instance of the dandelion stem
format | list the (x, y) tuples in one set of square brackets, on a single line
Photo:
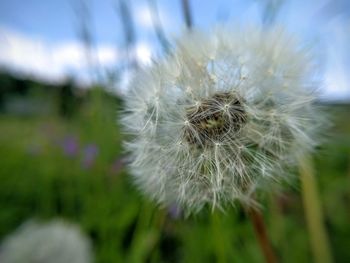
[(261, 233), (313, 212)]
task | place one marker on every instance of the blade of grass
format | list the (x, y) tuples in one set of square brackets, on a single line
[(313, 212)]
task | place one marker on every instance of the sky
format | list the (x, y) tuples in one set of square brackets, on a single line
[(40, 38)]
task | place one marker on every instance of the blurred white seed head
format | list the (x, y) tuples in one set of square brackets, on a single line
[(53, 242), (226, 114)]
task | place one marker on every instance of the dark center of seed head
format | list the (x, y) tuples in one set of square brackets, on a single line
[(215, 118)]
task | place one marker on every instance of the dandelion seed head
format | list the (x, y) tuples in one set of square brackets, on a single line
[(55, 242), (227, 113)]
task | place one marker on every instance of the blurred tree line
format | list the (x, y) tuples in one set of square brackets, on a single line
[(25, 96)]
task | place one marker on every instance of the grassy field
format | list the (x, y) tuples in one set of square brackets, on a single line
[(72, 168)]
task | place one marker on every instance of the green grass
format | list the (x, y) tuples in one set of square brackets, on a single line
[(39, 180)]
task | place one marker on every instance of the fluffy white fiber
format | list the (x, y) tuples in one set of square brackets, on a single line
[(227, 113), (52, 242)]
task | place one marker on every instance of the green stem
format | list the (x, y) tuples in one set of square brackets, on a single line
[(218, 238), (143, 236), (313, 212)]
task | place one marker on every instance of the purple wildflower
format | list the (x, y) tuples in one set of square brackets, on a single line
[(70, 146), (90, 153)]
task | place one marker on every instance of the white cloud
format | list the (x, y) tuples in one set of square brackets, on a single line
[(337, 80), (32, 55), (143, 53), (143, 17), (54, 62), (107, 55)]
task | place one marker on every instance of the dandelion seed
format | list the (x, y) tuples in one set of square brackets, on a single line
[(206, 142)]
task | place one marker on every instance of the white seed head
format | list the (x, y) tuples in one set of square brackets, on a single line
[(236, 114), (53, 242)]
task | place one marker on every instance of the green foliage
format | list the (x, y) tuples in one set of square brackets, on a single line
[(39, 178)]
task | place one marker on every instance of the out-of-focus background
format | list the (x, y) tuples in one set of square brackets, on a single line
[(64, 65)]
